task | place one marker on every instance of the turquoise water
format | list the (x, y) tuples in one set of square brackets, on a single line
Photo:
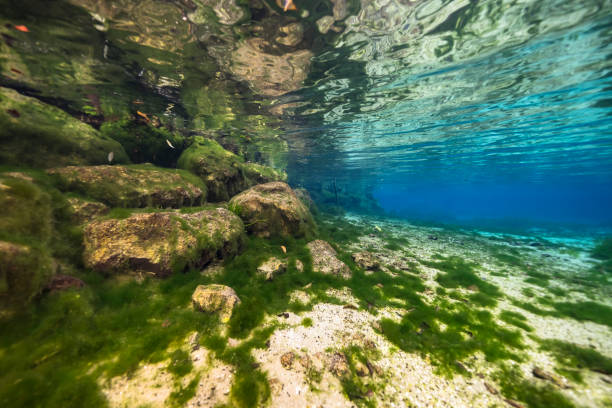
[(468, 111), (453, 111)]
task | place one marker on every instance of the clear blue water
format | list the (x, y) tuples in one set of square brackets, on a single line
[(467, 118)]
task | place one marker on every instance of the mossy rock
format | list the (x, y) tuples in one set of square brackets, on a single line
[(39, 135), (163, 242), (273, 209), (134, 186), (224, 173), (23, 273), (27, 213)]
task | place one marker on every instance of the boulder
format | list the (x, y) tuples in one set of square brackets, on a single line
[(161, 243), (26, 229), (224, 173), (23, 272), (273, 209), (84, 211), (215, 299), (271, 268), (35, 134), (325, 260), (366, 260), (133, 186)]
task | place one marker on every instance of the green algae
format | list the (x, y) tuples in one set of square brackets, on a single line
[(515, 319), (570, 355), (108, 328), (44, 136), (603, 253), (360, 388), (514, 386)]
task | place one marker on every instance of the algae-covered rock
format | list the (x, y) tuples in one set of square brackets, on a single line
[(271, 268), (224, 173), (84, 210), (273, 209), (133, 186), (215, 299), (325, 260), (23, 272), (162, 243), (39, 135), (26, 227), (366, 260)]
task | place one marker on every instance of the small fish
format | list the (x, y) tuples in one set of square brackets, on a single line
[(283, 249), (22, 28), (16, 71), (111, 156), (169, 144), (137, 102), (13, 112), (143, 115), (377, 228)]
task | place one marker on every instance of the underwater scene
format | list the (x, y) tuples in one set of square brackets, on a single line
[(306, 203)]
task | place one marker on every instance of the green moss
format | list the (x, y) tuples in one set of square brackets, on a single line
[(306, 322), (515, 387), (180, 363), (182, 395), (576, 357), (466, 331), (144, 143), (44, 136), (360, 389), (515, 319), (586, 311), (511, 257), (133, 186), (224, 172), (603, 252), (460, 274), (117, 326)]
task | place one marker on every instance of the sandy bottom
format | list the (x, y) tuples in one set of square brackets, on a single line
[(302, 363)]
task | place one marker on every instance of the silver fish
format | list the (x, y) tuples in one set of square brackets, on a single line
[(111, 156), (169, 144)]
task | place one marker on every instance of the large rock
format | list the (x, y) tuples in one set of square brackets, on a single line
[(162, 243), (224, 173), (84, 211), (26, 229), (273, 209), (325, 260), (23, 272), (39, 135), (215, 299), (133, 186)]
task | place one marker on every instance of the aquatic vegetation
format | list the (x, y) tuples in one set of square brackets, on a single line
[(603, 252), (358, 383), (515, 319), (145, 143), (466, 331), (573, 356), (45, 136), (513, 385), (114, 325), (457, 273)]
